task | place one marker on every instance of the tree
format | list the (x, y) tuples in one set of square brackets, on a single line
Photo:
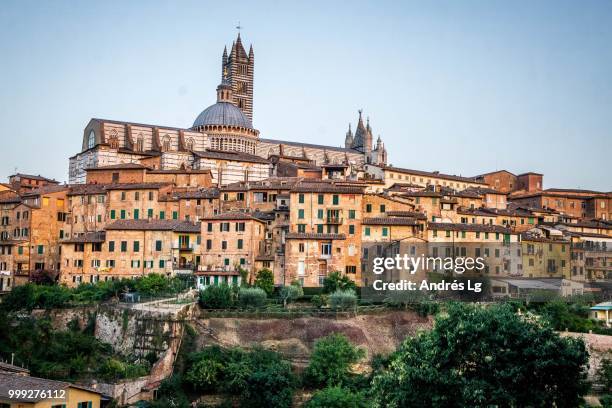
[(252, 297), (152, 284), (476, 356), (331, 360), (265, 281), (343, 299), (336, 397), (217, 297), (336, 281), (291, 293)]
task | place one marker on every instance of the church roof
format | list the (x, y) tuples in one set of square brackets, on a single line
[(223, 113)]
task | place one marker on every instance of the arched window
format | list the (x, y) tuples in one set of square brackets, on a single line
[(139, 144), (166, 144), (91, 139), (189, 144)]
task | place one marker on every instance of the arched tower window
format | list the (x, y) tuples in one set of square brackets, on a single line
[(189, 144), (166, 144), (139, 144)]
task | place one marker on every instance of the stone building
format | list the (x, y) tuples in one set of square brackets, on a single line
[(222, 138), (130, 249)]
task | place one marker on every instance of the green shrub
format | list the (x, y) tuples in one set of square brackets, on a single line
[(217, 297), (336, 397), (265, 280), (336, 281), (319, 301), (343, 299), (252, 297), (331, 361)]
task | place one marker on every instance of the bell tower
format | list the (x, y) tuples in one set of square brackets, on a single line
[(239, 66)]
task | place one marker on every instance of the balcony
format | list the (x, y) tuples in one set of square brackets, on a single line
[(182, 246), (334, 220), (184, 268)]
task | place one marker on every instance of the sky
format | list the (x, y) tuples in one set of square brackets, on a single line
[(462, 87)]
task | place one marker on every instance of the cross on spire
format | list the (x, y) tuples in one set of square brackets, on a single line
[(239, 27)]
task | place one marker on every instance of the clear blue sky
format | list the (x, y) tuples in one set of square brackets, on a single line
[(463, 87)]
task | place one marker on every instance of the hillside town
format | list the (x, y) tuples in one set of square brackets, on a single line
[(219, 203)]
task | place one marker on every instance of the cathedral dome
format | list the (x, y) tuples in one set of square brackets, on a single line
[(223, 113)]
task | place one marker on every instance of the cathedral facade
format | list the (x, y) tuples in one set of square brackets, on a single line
[(221, 139)]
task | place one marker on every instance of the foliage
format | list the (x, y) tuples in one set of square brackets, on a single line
[(477, 356), (343, 299), (319, 300), (217, 297), (336, 281), (331, 361), (336, 397), (259, 377), (153, 284), (61, 354), (33, 296), (291, 293), (604, 375), (573, 317), (265, 281), (171, 394), (252, 297)]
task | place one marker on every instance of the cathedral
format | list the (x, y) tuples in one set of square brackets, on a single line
[(222, 138)]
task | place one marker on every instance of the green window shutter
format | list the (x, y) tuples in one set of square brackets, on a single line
[(41, 249), (112, 214), (352, 214), (301, 214), (234, 280), (175, 215), (369, 208), (462, 234), (216, 280), (242, 261), (320, 199), (319, 228), (136, 246), (226, 261), (351, 229), (99, 218), (123, 214), (382, 208), (111, 246), (162, 215), (158, 245), (336, 199), (162, 263), (150, 213), (320, 214), (20, 250), (301, 198), (367, 231), (385, 231), (136, 213), (123, 246), (240, 244)]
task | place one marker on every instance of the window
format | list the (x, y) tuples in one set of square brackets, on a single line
[(111, 246), (351, 269), (123, 214), (86, 404), (336, 199), (112, 214), (224, 245), (319, 228), (224, 227), (136, 246), (319, 213), (369, 208), (239, 244), (158, 245), (175, 215), (351, 214), (301, 228), (162, 215), (240, 227), (382, 208), (208, 244), (150, 213), (136, 213), (326, 249), (123, 246), (367, 231), (301, 198), (351, 230), (40, 250), (320, 199), (301, 247), (385, 231), (301, 214)]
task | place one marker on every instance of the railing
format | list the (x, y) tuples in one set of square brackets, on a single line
[(294, 313), (334, 220)]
